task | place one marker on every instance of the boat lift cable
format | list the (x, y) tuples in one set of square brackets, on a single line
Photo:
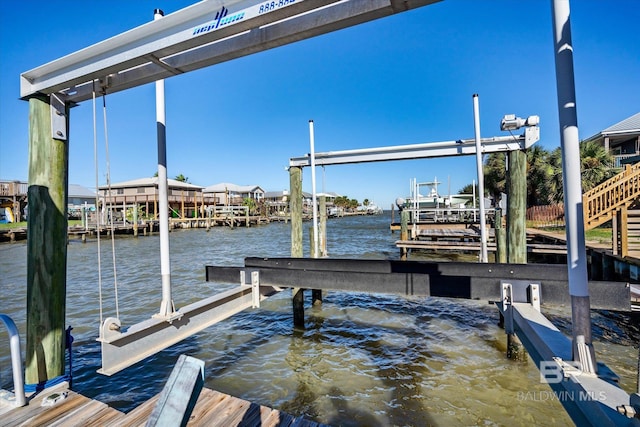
[(95, 166), (113, 243)]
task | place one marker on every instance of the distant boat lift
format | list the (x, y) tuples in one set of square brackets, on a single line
[(460, 147)]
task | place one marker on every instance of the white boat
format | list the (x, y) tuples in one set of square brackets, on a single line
[(424, 195), (370, 209)]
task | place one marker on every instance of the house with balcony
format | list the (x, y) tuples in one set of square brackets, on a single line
[(622, 140), (228, 194), (185, 200)]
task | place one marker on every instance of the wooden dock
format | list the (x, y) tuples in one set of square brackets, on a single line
[(212, 409)]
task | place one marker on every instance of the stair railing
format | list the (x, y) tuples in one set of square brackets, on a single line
[(600, 202)]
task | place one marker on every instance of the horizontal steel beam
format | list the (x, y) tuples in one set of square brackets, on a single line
[(122, 347), (588, 399), (463, 147), (444, 279), (197, 36)]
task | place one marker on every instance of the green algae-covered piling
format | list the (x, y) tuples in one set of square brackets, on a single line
[(47, 243)]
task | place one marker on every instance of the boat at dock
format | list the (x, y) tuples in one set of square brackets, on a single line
[(426, 204)]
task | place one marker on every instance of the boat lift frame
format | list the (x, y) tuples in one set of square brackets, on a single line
[(200, 35), (214, 31), (460, 147)]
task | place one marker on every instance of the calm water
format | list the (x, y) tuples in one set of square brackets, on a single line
[(363, 360)]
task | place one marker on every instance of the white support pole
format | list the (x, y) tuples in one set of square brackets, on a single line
[(474, 200), (313, 189), (166, 307), (570, 142), (483, 220)]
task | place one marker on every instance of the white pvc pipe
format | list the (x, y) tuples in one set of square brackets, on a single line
[(474, 200), (313, 190), (166, 307), (571, 179), (16, 360), (570, 142), (483, 221)]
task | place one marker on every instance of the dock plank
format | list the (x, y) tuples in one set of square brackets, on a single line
[(91, 413), (138, 416), (212, 409)]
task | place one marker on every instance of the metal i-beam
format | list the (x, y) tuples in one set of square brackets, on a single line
[(589, 400), (460, 147), (421, 278), (200, 35), (122, 347)]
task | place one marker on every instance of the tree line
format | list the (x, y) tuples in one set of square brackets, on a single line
[(544, 173)]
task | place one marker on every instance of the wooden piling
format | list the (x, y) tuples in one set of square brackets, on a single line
[(517, 208), (515, 349), (295, 206), (404, 232), (46, 245), (393, 214), (135, 219), (323, 227), (501, 239), (622, 232), (316, 294)]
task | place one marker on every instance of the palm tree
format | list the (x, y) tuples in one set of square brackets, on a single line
[(181, 178), (250, 203), (495, 174), (539, 172), (596, 164)]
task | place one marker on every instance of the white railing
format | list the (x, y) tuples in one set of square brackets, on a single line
[(617, 159)]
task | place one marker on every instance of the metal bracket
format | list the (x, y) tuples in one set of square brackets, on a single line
[(58, 117), (507, 307), (523, 291), (531, 136), (255, 286)]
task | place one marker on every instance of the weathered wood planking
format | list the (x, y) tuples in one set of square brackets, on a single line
[(73, 411), (212, 409), (216, 409)]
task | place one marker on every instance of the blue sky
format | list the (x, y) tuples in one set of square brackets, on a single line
[(404, 79)]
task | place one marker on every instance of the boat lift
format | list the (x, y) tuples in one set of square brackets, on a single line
[(214, 31), (200, 35)]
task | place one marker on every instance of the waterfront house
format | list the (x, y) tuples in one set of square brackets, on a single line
[(229, 194), (622, 140), (277, 202), (185, 200), (80, 197)]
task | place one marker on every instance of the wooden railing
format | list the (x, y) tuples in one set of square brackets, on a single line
[(13, 188), (600, 202)]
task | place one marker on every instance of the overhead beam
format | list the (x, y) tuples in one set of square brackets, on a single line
[(200, 35), (421, 278), (460, 147)]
